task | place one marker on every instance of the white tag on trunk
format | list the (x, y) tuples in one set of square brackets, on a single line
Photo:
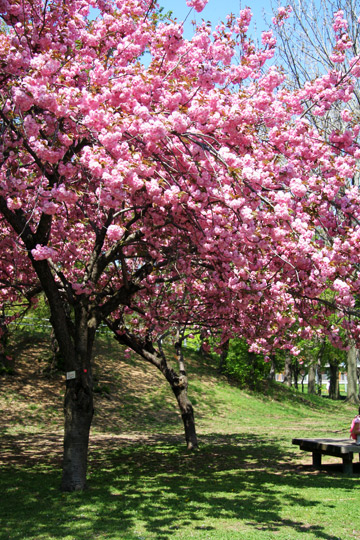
[(70, 375)]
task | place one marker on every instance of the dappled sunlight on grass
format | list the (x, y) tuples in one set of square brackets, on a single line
[(247, 481), (162, 492)]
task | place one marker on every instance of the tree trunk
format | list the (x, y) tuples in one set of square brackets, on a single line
[(352, 387), (334, 389), (202, 349), (302, 382), (223, 356), (179, 386), (311, 380), (178, 382), (295, 370), (78, 409), (319, 375), (4, 332), (272, 372), (187, 412), (287, 371), (78, 403)]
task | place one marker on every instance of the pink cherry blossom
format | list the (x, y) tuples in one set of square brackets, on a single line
[(198, 5), (115, 232), (43, 252)]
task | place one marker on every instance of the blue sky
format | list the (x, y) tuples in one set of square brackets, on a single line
[(217, 10)]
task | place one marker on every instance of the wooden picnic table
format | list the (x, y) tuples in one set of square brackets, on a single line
[(344, 448)]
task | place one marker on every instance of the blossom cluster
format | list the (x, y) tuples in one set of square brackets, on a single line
[(198, 5)]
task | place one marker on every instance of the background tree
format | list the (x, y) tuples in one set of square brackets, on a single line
[(248, 368), (307, 51)]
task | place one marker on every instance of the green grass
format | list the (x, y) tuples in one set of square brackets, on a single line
[(247, 481), (236, 487)]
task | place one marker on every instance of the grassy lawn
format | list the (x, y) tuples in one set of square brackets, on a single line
[(247, 481)]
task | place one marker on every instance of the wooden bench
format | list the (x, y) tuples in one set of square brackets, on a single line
[(343, 448)]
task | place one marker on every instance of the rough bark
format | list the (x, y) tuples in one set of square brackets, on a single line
[(287, 371), (78, 404), (334, 387), (202, 349), (272, 372), (296, 371), (187, 411), (303, 375), (223, 356), (3, 342), (186, 408), (352, 386), (319, 374), (78, 409), (311, 380)]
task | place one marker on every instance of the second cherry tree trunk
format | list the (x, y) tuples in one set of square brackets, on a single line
[(179, 387)]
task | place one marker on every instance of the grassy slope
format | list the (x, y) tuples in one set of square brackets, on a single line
[(247, 482)]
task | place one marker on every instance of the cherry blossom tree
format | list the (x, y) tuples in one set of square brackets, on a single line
[(123, 182), (306, 50)]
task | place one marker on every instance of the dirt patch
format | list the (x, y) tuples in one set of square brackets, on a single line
[(46, 448), (31, 403)]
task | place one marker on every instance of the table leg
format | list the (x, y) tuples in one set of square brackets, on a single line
[(316, 459), (347, 464)]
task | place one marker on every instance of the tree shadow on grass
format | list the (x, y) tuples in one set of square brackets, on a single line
[(162, 489)]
